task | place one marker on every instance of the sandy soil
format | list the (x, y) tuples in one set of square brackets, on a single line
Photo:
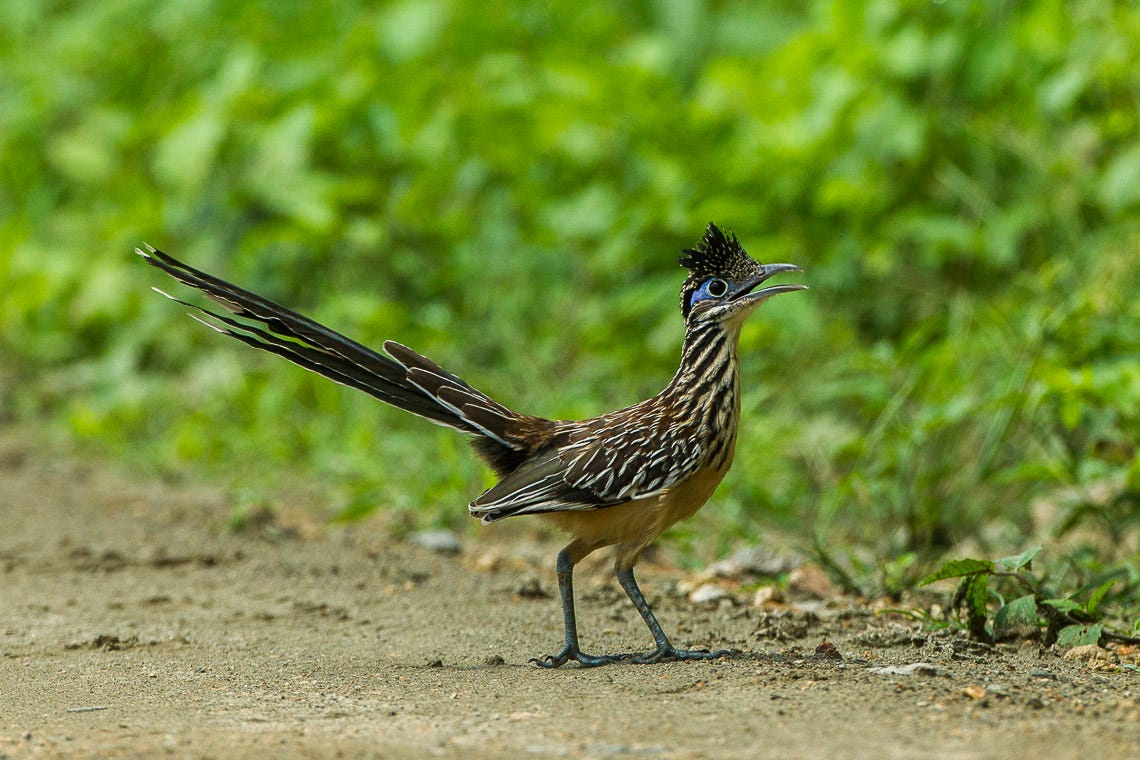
[(135, 624)]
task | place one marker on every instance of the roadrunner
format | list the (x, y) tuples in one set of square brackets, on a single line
[(615, 480)]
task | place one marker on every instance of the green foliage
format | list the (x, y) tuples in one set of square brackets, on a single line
[(507, 192), (1017, 615), (1064, 621), (959, 568), (1085, 630)]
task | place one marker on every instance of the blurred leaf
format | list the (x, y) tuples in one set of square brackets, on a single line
[(1018, 615), (1092, 606), (959, 568), (409, 29), (185, 157), (1063, 605), (1120, 187), (359, 506), (1079, 635), (1133, 480), (1017, 562), (974, 592)]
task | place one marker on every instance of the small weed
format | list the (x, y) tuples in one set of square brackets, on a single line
[(251, 510), (989, 615)]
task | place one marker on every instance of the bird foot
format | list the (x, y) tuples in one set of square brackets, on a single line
[(669, 653), (584, 660), (661, 654)]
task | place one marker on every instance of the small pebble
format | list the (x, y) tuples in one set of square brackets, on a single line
[(810, 580), (1090, 652), (755, 561), (767, 595), (488, 562), (442, 541), (975, 692), (828, 650), (915, 668), (706, 593), (998, 690), (530, 588)]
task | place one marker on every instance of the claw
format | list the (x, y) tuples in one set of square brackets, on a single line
[(669, 653), (569, 653), (661, 654)]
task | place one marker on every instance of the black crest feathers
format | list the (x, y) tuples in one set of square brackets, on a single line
[(718, 254)]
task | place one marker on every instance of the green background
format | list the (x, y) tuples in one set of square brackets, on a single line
[(506, 187)]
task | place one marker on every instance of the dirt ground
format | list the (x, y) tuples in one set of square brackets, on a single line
[(134, 624)]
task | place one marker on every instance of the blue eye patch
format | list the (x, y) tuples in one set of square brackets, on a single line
[(713, 288)]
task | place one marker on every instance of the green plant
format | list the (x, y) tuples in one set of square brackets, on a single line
[(990, 616)]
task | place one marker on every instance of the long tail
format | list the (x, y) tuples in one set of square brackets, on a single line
[(406, 380)]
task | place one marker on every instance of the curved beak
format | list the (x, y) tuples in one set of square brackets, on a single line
[(746, 291)]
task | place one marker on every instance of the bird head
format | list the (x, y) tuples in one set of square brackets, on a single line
[(723, 278)]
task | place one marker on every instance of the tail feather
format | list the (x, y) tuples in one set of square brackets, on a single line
[(411, 382), (277, 318), (473, 406), (328, 365)]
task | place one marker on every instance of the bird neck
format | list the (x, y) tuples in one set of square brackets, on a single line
[(708, 357)]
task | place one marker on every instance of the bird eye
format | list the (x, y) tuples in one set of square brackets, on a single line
[(716, 287), (711, 289)]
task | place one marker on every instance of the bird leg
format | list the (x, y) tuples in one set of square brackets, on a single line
[(665, 649), (567, 558)]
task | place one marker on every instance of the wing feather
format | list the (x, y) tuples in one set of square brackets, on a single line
[(597, 470)]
